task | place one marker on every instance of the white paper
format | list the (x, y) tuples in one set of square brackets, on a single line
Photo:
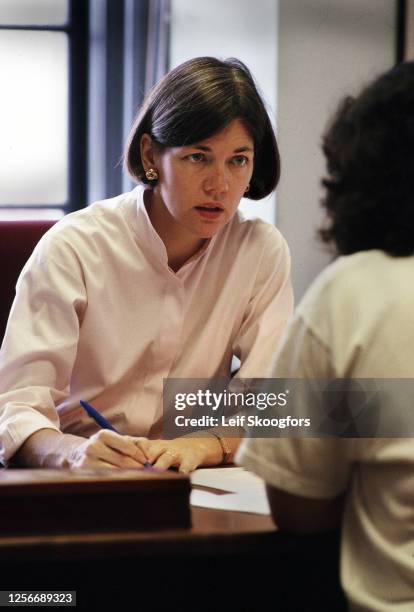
[(233, 479), (245, 492), (256, 504)]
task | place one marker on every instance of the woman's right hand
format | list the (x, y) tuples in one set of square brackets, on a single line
[(107, 449), (49, 448)]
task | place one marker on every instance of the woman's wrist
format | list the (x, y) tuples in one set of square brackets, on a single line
[(47, 448), (225, 448), (218, 449)]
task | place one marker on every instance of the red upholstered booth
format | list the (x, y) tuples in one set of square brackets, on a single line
[(17, 241)]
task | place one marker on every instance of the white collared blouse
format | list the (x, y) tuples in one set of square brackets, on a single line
[(99, 315)]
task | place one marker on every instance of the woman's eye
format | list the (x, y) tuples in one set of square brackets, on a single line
[(196, 157), (240, 160)]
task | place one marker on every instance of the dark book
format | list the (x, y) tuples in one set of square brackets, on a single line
[(64, 501)]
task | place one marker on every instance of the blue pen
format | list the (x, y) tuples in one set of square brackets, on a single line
[(102, 422)]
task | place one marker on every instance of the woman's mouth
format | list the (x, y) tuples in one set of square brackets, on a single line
[(209, 212)]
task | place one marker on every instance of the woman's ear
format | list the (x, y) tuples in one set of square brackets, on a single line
[(147, 152)]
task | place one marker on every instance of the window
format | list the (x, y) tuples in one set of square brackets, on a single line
[(74, 73), (43, 63)]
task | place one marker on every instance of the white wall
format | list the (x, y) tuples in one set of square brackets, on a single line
[(327, 48), (231, 28)]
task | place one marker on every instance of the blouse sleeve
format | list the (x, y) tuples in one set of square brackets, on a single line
[(40, 343), (269, 309)]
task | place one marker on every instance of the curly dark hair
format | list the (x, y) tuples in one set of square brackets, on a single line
[(369, 148)]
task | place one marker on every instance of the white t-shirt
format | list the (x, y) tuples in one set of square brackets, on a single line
[(356, 321), (100, 316)]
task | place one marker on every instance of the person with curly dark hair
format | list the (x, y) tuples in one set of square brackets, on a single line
[(355, 322), (369, 153)]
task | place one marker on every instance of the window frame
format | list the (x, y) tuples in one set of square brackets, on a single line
[(125, 39)]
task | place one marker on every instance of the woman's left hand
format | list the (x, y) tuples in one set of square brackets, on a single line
[(186, 454)]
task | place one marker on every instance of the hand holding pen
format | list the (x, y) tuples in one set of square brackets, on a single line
[(184, 454), (107, 448)]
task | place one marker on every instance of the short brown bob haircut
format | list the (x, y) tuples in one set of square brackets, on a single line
[(197, 100)]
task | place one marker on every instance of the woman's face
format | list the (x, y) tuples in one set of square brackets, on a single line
[(200, 185)]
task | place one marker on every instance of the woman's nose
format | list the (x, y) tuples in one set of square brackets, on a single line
[(217, 181)]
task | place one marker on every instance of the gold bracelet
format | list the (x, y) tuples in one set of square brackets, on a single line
[(226, 449)]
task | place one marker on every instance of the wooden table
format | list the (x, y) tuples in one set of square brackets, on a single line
[(212, 532)]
